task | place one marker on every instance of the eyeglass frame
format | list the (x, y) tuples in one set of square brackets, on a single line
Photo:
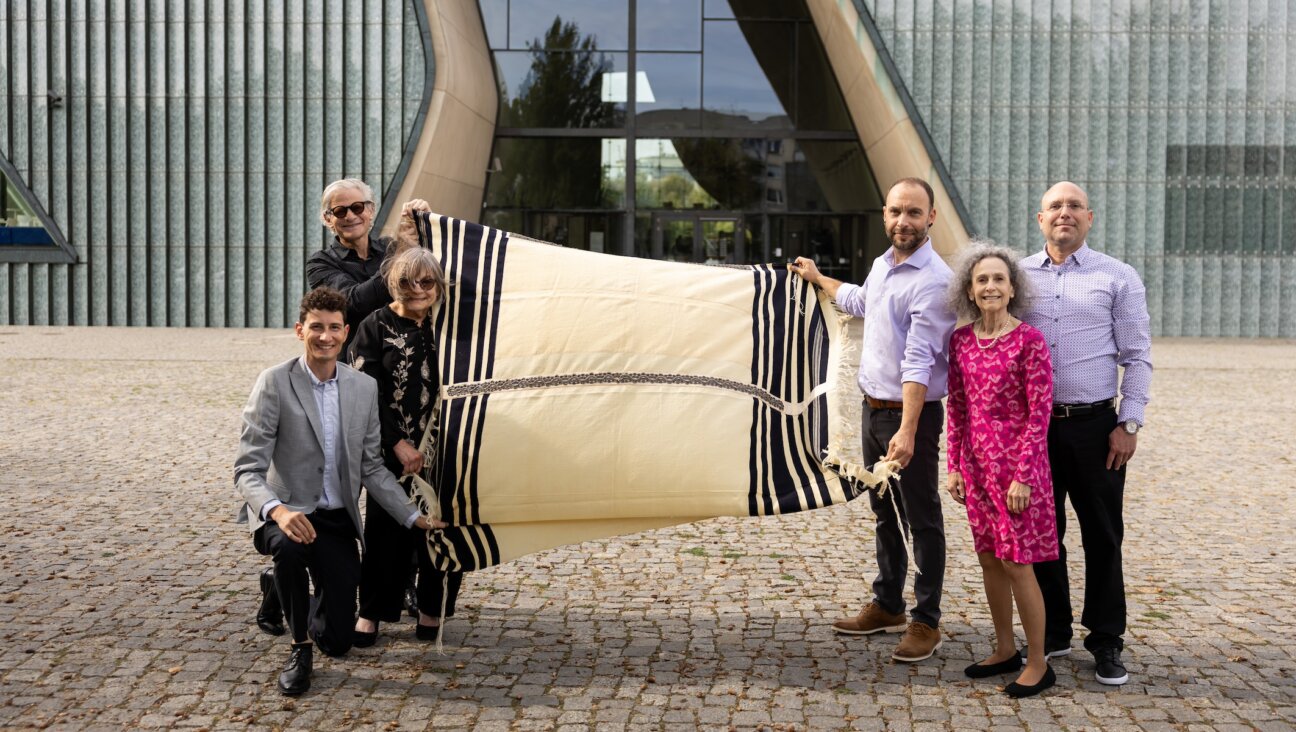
[(333, 210)]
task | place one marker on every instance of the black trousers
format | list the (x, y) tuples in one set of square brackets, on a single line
[(1078, 455), (332, 562), (389, 553), (918, 497)]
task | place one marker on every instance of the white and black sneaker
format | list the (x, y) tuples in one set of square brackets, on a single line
[(1051, 650), (1109, 669)]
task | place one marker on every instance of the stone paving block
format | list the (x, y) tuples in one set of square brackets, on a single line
[(629, 632)]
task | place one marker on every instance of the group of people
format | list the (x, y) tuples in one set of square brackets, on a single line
[(1032, 381), (352, 411), (1033, 410)]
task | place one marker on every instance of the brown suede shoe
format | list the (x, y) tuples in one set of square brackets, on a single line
[(872, 619), (920, 641)]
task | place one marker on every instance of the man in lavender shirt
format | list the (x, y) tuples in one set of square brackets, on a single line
[(907, 325), (1092, 309)]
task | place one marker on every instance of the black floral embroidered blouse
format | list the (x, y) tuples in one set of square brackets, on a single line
[(401, 356)]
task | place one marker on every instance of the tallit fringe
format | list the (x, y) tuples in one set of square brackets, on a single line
[(845, 452)]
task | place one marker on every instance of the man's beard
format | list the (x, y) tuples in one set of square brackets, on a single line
[(919, 236)]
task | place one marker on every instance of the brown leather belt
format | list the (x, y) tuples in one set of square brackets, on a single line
[(1062, 411), (882, 403)]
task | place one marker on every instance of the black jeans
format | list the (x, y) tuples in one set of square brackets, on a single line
[(918, 497), (389, 551), (1078, 455), (332, 562)]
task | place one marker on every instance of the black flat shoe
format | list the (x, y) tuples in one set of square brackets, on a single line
[(270, 615), (364, 640), (426, 632), (296, 676), (1019, 691), (986, 670)]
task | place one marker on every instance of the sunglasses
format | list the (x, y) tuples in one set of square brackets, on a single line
[(357, 208), (426, 284)]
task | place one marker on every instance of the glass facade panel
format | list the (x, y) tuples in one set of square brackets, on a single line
[(602, 24), (714, 155), (670, 90), (563, 173), (19, 225), (668, 25), (561, 88), (745, 67)]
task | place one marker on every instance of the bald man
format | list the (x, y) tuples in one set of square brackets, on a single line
[(1092, 309)]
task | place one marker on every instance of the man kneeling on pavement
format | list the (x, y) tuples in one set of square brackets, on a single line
[(310, 439)]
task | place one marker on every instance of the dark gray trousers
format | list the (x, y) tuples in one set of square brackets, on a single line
[(918, 497)]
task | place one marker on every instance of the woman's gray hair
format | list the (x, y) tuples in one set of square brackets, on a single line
[(977, 250), (326, 198), (414, 263)]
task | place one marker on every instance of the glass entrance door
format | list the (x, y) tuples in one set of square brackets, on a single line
[(704, 238)]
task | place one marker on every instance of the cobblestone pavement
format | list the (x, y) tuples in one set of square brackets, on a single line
[(127, 592)]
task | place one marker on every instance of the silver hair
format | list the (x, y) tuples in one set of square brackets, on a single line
[(326, 198), (977, 250)]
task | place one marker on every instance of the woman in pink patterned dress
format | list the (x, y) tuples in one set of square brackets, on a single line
[(1000, 400)]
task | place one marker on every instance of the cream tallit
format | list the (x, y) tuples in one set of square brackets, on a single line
[(588, 395)]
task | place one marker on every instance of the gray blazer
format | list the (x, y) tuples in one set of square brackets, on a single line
[(281, 449)]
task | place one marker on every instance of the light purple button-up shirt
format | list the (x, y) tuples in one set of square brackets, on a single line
[(907, 323), (1092, 310)]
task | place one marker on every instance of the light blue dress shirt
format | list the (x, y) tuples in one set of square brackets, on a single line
[(1092, 310), (907, 323)]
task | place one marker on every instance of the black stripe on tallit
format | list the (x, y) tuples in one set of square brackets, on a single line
[(801, 476), (758, 501)]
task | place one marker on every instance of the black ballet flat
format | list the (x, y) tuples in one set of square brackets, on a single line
[(364, 640), (426, 632), (1019, 691), (986, 670)]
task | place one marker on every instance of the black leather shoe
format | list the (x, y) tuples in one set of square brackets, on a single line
[(1020, 691), (270, 614), (1109, 670), (295, 679), (361, 639), (986, 670), (425, 632)]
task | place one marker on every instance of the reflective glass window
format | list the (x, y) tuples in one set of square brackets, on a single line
[(819, 103), (669, 25), (19, 225), (495, 18), (598, 24), (707, 173), (745, 69), (561, 88), (670, 90), (546, 172), (755, 9)]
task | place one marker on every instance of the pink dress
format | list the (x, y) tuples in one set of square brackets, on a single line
[(1000, 401)]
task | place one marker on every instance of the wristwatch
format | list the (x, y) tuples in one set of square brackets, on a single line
[(1131, 427)]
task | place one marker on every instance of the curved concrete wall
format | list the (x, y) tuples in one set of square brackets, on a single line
[(448, 168), (890, 138)]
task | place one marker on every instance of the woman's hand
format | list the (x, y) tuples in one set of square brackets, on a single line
[(409, 456), (1018, 497), (954, 484)]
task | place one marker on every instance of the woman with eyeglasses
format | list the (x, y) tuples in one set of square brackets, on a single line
[(396, 346), (351, 265)]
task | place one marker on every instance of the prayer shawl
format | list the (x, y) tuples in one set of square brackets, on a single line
[(588, 395)]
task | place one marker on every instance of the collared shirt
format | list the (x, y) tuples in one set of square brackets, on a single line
[(326, 402), (1092, 310), (326, 399), (907, 323)]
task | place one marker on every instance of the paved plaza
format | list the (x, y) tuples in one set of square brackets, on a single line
[(127, 592)]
